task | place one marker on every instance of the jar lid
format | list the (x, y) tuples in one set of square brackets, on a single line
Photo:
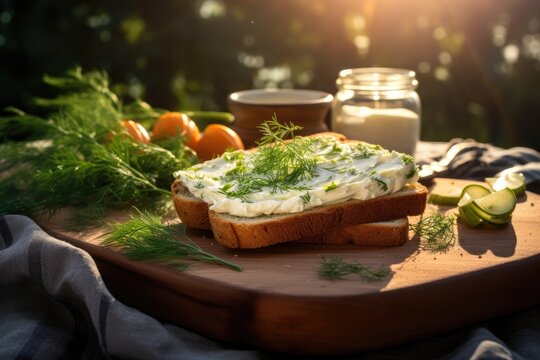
[(377, 78)]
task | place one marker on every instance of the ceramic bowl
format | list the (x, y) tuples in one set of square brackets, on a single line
[(305, 108)]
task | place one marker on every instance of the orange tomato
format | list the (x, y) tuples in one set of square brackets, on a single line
[(174, 123), (137, 131), (215, 140)]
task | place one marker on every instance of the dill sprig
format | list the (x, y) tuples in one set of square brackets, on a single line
[(278, 165), (437, 230), (80, 157), (335, 268), (275, 132), (145, 237), (76, 82)]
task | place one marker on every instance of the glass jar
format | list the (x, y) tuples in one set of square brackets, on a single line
[(379, 106)]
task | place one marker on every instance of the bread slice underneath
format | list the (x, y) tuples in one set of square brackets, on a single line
[(384, 233), (239, 232), (194, 213), (363, 222)]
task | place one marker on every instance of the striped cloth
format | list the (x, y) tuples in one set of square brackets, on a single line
[(468, 159)]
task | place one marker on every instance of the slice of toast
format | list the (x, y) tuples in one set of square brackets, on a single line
[(376, 222), (238, 232), (194, 213)]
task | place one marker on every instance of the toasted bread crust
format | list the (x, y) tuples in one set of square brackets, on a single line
[(192, 211), (236, 232)]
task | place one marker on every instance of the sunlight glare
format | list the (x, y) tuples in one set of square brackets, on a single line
[(358, 22), (304, 78), (362, 43), (250, 61), (424, 67), (445, 58), (211, 8), (510, 53), (531, 46), (270, 77), (439, 33), (96, 21), (499, 35), (441, 73)]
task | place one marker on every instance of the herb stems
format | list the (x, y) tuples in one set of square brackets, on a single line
[(437, 230), (278, 165), (144, 237)]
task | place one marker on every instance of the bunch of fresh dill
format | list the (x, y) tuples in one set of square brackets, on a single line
[(145, 237), (79, 155), (437, 230), (335, 268), (279, 164)]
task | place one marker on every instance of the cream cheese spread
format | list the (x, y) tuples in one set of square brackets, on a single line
[(344, 171)]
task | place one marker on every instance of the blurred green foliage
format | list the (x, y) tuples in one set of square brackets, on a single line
[(478, 61)]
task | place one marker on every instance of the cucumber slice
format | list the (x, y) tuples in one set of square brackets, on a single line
[(493, 209), (475, 216), (450, 198), (499, 221), (515, 182), (496, 219), (472, 192), (499, 204), (470, 217)]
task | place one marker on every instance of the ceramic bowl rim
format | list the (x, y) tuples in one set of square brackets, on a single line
[(302, 97)]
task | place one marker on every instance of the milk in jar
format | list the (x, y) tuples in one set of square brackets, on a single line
[(379, 106)]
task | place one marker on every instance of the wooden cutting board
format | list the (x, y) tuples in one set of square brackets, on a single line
[(279, 302)]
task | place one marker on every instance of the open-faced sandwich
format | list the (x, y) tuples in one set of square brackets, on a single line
[(320, 188)]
